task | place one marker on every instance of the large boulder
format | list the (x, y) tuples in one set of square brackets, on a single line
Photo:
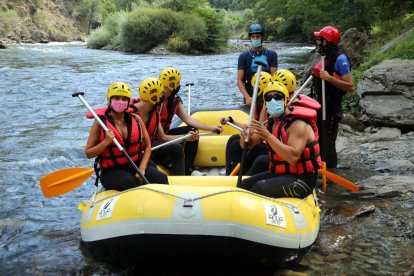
[(387, 94), (354, 44)]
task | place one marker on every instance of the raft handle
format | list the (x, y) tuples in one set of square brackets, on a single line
[(188, 202)]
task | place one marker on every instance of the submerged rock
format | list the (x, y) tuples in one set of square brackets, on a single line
[(386, 186)]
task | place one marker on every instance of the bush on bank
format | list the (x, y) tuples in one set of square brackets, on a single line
[(144, 28)]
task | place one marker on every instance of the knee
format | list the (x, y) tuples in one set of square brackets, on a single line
[(163, 178), (245, 184), (258, 188), (235, 145), (233, 138), (176, 150)]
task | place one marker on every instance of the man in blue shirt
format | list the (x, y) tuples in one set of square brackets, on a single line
[(338, 81), (247, 67)]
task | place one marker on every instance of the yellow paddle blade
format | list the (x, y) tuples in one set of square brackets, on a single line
[(64, 180), (339, 180)]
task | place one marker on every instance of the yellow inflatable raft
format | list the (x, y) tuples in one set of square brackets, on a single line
[(205, 215)]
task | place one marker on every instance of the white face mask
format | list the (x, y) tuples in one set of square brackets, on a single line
[(275, 108)]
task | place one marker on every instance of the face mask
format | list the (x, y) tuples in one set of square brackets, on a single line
[(275, 108), (118, 105), (256, 43)]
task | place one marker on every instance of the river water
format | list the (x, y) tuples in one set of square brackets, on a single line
[(42, 129)]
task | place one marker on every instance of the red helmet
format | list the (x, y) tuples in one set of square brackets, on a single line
[(330, 33)]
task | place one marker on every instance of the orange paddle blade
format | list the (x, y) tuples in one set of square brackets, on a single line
[(324, 177), (339, 180), (235, 170), (64, 180)]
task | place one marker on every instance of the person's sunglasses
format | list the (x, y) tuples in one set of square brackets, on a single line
[(276, 96)]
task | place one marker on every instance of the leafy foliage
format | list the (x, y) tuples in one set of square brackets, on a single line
[(9, 21), (145, 27)]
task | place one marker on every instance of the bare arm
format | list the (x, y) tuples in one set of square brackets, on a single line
[(162, 137), (242, 87), (298, 137), (182, 113), (94, 147), (344, 83)]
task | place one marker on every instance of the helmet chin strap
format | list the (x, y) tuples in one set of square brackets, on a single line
[(176, 90), (328, 50)]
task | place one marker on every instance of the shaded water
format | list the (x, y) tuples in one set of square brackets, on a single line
[(43, 129)]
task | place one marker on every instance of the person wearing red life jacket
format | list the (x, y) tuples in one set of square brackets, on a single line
[(287, 78), (234, 150), (338, 81), (172, 105), (291, 136), (171, 155), (116, 173), (246, 63)]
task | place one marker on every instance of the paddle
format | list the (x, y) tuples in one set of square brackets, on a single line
[(189, 95), (252, 106), (234, 126), (223, 121), (118, 145), (180, 139), (299, 90), (235, 170), (323, 140), (64, 180), (67, 179), (339, 180)]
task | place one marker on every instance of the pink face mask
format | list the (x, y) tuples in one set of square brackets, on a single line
[(118, 105)]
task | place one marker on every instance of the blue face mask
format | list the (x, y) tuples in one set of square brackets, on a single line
[(275, 108), (256, 43)]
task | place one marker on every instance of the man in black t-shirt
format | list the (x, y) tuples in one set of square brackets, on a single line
[(247, 67)]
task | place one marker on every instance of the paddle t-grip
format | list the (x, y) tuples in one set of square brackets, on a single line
[(77, 94), (260, 63)]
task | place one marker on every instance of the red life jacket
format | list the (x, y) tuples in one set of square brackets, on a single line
[(310, 160), (102, 110), (306, 101), (112, 157), (167, 111), (153, 120)]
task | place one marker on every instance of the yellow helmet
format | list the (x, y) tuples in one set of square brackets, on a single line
[(151, 90), (276, 86), (265, 78), (287, 78), (170, 77), (118, 89)]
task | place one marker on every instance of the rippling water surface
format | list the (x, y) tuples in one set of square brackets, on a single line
[(42, 129)]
